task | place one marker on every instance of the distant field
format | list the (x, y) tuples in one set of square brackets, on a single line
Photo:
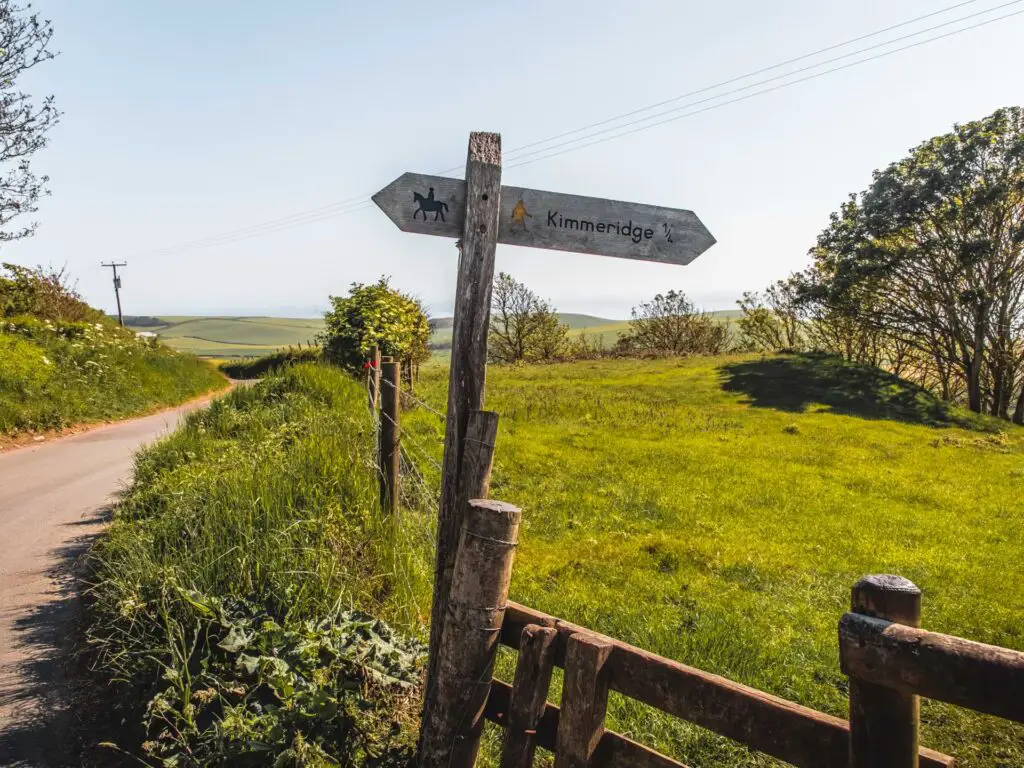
[(594, 327), (231, 337), (228, 337)]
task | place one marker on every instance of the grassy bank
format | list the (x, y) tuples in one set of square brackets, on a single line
[(224, 596), (259, 367), (717, 511), (54, 375)]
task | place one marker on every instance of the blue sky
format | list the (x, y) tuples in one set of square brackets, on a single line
[(188, 119)]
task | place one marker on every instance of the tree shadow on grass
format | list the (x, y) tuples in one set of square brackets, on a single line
[(796, 382)]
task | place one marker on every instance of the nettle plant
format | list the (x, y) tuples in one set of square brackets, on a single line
[(241, 689)]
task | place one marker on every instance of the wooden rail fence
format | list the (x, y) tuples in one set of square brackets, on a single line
[(889, 659), (890, 663)]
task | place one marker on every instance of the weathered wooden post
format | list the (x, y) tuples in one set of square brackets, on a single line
[(884, 723), (390, 421), (584, 700), (474, 483), (529, 695), (373, 377), (469, 356), (451, 728)]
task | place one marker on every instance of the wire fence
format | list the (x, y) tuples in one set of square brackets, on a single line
[(418, 494)]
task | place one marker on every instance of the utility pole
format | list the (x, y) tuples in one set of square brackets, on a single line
[(117, 286)]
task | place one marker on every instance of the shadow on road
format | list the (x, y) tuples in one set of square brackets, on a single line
[(795, 382), (41, 730)]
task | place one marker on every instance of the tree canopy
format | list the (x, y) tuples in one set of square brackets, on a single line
[(375, 315), (924, 270), (670, 324), (524, 327), (24, 122)]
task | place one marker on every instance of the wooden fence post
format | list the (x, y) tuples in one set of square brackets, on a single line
[(584, 700), (453, 720), (884, 723), (390, 421), (474, 483), (373, 377), (469, 343), (529, 695)]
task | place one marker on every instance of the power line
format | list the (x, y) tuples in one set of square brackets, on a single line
[(737, 79), (775, 78), (766, 90), (356, 204)]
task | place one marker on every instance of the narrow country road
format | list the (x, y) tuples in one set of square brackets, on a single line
[(54, 500)]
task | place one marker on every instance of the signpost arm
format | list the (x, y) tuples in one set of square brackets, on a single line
[(469, 359)]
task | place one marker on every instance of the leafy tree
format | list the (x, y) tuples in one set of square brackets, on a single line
[(932, 255), (771, 320), (24, 43), (375, 315), (524, 327), (670, 324)]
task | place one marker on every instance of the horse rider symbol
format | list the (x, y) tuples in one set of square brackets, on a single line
[(429, 205)]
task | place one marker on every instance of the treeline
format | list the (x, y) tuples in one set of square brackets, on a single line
[(143, 321), (922, 273), (525, 329)]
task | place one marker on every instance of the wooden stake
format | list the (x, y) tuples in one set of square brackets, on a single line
[(474, 483), (373, 377), (884, 723), (584, 700), (390, 421), (469, 353), (529, 695), (452, 723)]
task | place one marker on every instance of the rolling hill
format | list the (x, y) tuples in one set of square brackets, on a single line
[(237, 337), (232, 336)]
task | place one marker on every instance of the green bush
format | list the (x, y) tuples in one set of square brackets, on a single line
[(375, 315), (221, 588), (53, 375), (44, 293)]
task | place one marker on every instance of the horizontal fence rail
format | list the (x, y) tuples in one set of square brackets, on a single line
[(790, 732), (981, 677)]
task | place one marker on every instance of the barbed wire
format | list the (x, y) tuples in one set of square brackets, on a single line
[(412, 398), (412, 440)]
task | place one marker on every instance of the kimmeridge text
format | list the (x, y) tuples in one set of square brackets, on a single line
[(633, 231)]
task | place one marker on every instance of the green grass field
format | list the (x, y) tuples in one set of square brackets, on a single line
[(717, 512)]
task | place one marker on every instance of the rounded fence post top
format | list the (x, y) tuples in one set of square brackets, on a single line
[(495, 506), (887, 597), (887, 582)]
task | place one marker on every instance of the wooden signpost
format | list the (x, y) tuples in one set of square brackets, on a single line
[(436, 205), (481, 213)]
